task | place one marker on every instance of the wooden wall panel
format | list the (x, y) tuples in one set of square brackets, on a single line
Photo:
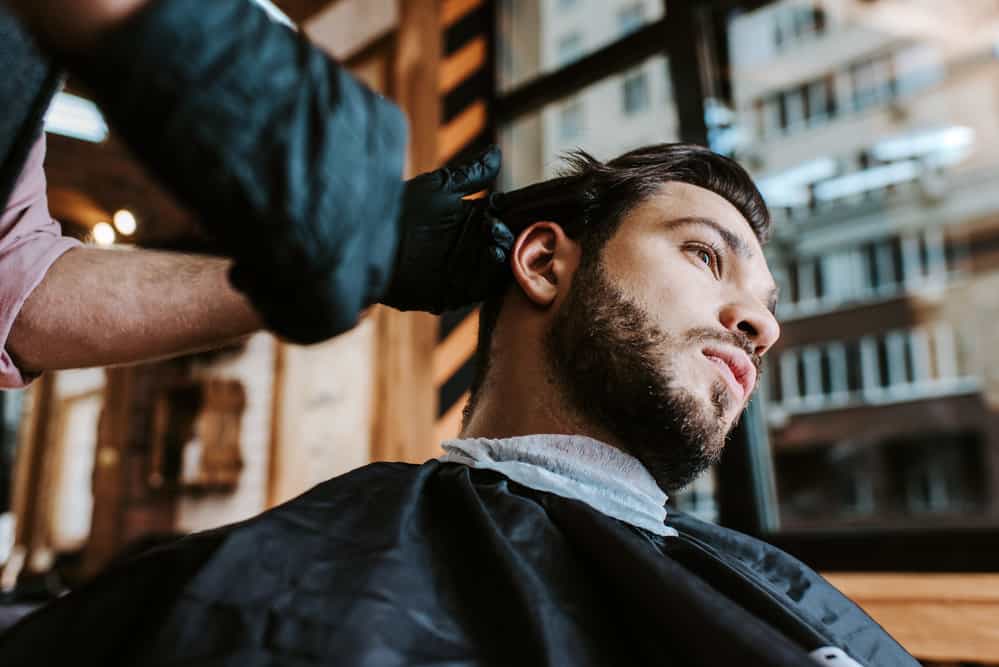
[(938, 617), (253, 368), (405, 402), (347, 27), (323, 408), (466, 82)]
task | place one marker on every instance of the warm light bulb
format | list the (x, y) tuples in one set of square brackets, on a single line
[(103, 234), (125, 222)]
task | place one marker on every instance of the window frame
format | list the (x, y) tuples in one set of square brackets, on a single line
[(694, 41)]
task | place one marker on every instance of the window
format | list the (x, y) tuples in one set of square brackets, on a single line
[(571, 121), (878, 337), (635, 93), (529, 32), (534, 143), (794, 109), (821, 100), (698, 499), (570, 48), (631, 18), (884, 367), (871, 82), (794, 25)]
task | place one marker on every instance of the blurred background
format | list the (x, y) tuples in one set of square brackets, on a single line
[(872, 450)]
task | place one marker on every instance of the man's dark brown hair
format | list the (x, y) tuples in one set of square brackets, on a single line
[(590, 198)]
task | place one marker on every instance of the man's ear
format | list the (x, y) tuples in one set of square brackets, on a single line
[(543, 261)]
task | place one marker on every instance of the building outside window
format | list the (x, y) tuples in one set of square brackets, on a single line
[(879, 161), (571, 121), (570, 48), (635, 93), (630, 18)]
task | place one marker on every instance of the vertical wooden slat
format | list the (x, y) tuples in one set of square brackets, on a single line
[(462, 64), (456, 349), (453, 11), (28, 467), (465, 127), (112, 441), (278, 388), (449, 424), (405, 403)]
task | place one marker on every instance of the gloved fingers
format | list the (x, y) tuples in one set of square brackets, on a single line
[(477, 174), (501, 236)]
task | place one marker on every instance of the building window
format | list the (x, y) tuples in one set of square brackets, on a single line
[(794, 109), (872, 83), (698, 499), (770, 116), (635, 93), (797, 24), (570, 48), (570, 121), (821, 99), (893, 365), (630, 19)]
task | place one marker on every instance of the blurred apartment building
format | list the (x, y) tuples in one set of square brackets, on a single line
[(874, 130), (618, 113)]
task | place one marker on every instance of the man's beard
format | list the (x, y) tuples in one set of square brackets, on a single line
[(611, 364)]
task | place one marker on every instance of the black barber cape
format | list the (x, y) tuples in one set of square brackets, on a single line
[(442, 564), (28, 83)]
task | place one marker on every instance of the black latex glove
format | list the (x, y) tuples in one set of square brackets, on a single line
[(451, 250)]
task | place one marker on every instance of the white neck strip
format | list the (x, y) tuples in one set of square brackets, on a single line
[(572, 466)]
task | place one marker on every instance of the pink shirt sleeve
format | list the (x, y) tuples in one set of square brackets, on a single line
[(30, 241)]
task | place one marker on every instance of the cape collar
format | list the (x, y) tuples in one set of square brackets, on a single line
[(572, 466)]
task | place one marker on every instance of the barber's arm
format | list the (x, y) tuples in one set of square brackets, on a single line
[(101, 307), (66, 306), (290, 162)]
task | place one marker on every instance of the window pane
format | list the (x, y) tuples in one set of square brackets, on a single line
[(612, 116), (538, 36), (877, 149)]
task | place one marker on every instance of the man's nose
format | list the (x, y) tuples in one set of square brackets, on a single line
[(754, 321)]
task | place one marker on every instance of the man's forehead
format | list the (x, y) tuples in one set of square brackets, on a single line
[(682, 205), (675, 200)]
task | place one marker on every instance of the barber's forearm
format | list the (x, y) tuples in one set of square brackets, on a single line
[(100, 307), (73, 25)]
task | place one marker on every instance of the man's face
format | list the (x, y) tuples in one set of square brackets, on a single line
[(660, 337)]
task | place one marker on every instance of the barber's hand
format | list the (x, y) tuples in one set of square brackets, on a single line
[(451, 250)]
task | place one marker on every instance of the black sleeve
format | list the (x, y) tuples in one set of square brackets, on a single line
[(294, 165)]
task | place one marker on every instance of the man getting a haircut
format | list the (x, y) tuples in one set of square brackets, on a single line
[(612, 365)]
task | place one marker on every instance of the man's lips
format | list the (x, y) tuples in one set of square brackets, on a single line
[(735, 367)]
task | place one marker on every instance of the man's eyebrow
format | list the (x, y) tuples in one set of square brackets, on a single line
[(735, 243)]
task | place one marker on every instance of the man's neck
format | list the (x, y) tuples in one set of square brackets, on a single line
[(511, 407)]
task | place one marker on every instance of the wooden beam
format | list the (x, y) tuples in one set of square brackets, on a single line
[(302, 10), (449, 424), (936, 617), (109, 476), (32, 448), (457, 348), (405, 404), (453, 11), (462, 130), (462, 64), (348, 27)]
